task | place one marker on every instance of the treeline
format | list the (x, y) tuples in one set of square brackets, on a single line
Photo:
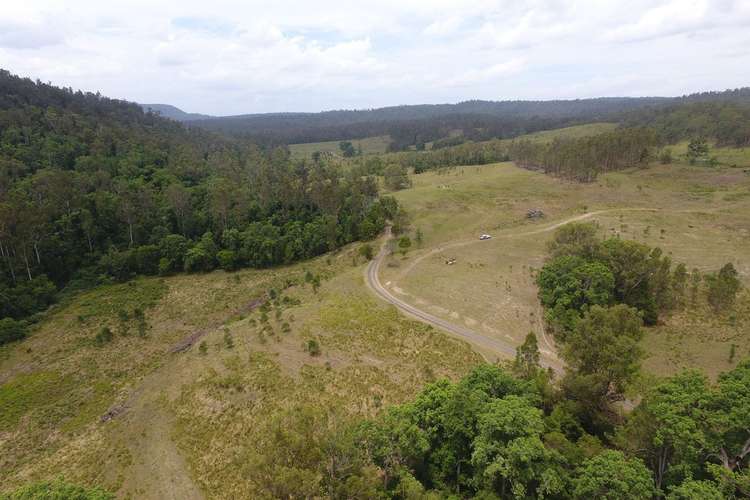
[(512, 433), (467, 153), (580, 159), (726, 123), (583, 159), (91, 186), (472, 127), (414, 126), (422, 123)]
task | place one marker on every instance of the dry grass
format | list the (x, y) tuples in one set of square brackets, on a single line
[(702, 218), (193, 424), (368, 145)]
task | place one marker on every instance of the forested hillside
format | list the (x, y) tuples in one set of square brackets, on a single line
[(414, 126), (640, 137), (93, 188), (175, 113)]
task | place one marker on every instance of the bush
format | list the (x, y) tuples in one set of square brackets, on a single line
[(227, 260), (202, 256), (11, 330), (27, 297), (723, 288), (173, 248), (366, 251), (146, 259), (312, 347), (104, 336), (56, 490), (197, 259)]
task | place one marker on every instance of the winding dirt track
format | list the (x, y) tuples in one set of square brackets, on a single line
[(499, 348)]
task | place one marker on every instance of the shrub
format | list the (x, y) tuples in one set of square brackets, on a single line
[(723, 288), (11, 330), (366, 251), (227, 260), (312, 347), (146, 259), (27, 297), (228, 340), (104, 336), (197, 259), (57, 489)]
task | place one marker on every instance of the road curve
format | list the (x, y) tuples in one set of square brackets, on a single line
[(498, 347), (485, 343)]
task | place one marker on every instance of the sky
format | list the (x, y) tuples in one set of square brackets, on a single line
[(225, 57)]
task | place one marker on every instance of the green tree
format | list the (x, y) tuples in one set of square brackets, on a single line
[(696, 490), (227, 259), (11, 330), (418, 237), (526, 364), (347, 149), (729, 420), (723, 288), (603, 357), (569, 286), (404, 243), (697, 150), (509, 456), (612, 476), (396, 177), (577, 238), (666, 429)]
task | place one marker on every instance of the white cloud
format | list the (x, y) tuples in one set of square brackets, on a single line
[(487, 74), (27, 35), (234, 56)]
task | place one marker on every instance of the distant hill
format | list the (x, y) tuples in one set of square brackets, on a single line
[(173, 112), (414, 125)]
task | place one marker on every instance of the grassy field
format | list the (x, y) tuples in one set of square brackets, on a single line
[(193, 424), (369, 145), (733, 157), (697, 215), (573, 132), (376, 145), (204, 423)]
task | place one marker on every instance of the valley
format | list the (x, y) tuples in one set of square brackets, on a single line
[(482, 300)]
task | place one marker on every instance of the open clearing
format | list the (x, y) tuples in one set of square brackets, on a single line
[(702, 218), (180, 420), (368, 145)]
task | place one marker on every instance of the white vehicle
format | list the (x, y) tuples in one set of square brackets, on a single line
[(485, 237)]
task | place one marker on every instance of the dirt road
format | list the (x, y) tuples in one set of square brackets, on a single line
[(485, 344)]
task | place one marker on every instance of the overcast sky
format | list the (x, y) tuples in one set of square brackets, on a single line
[(230, 57)]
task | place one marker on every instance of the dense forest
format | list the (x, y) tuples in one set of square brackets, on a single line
[(92, 187)]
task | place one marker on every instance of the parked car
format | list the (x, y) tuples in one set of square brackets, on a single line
[(485, 237)]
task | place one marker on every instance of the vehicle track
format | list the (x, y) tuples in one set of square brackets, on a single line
[(499, 348)]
